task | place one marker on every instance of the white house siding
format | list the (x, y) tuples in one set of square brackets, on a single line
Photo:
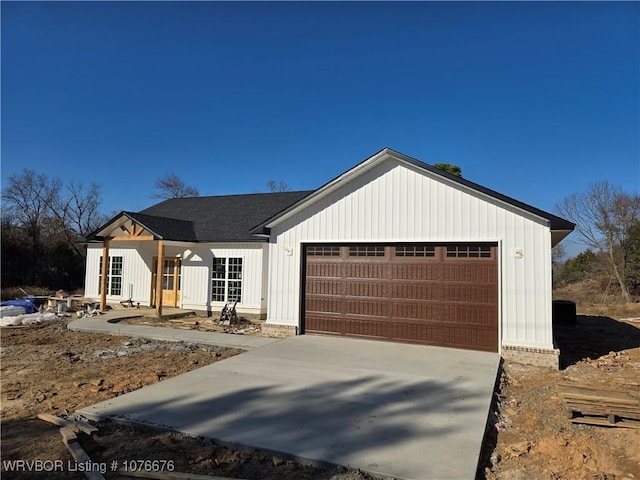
[(395, 202), (136, 279), (197, 262)]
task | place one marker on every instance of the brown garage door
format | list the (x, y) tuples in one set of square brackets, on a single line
[(439, 294)]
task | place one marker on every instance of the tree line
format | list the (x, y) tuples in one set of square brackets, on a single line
[(45, 221)]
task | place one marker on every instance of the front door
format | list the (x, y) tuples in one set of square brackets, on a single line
[(170, 281)]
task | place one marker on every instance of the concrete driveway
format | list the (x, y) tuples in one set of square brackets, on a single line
[(397, 410)]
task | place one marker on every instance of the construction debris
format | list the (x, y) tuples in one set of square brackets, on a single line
[(599, 406), (171, 475), (76, 425), (68, 430)]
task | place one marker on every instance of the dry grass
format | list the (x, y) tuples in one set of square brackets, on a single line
[(592, 297)]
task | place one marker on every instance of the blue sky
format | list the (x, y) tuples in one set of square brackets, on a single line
[(535, 100)]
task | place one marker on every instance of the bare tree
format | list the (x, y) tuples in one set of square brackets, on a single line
[(172, 186), (604, 216), (37, 203), (77, 211), (278, 186), (27, 200)]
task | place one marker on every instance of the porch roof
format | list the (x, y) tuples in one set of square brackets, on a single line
[(227, 218)]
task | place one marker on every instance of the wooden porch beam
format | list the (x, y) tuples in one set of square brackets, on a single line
[(159, 278), (105, 271)]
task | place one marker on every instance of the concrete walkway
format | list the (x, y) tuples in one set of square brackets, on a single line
[(394, 410), (109, 323)]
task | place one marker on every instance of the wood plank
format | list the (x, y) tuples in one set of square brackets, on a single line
[(76, 425), (129, 237), (171, 475), (600, 406), (579, 389), (84, 427), (609, 397), (68, 435), (604, 422), (61, 422), (81, 456)]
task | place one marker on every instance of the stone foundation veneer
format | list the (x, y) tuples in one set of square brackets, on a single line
[(541, 357), (280, 331)]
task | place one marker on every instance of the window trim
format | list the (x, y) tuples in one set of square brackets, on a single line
[(230, 278), (110, 275)]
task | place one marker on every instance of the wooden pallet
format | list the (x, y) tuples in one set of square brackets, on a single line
[(600, 406)]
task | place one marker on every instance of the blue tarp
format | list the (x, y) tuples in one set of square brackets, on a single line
[(28, 306)]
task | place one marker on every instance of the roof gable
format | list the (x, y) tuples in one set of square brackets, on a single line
[(554, 222)]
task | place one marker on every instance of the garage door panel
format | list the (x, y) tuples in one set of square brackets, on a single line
[(363, 270), (366, 306), (424, 293), (323, 322), (423, 272), (470, 273), (324, 304), (364, 288), (469, 314), (324, 286), (422, 311), (417, 291), (465, 294), (325, 269)]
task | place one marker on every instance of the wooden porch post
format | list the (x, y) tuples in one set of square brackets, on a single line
[(176, 275), (105, 272), (159, 278)]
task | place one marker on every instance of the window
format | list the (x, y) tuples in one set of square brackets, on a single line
[(469, 251), (234, 285), (415, 251), (361, 251), (226, 280), (219, 276), (114, 277), (323, 251), (169, 269)]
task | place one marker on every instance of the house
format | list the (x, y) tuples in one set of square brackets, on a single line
[(392, 249)]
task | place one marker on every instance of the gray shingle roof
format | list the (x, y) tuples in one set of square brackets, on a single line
[(228, 218)]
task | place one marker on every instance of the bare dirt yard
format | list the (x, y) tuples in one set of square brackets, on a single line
[(48, 369), (532, 433)]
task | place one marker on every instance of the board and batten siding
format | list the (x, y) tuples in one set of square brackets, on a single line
[(397, 202), (197, 263), (137, 257)]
